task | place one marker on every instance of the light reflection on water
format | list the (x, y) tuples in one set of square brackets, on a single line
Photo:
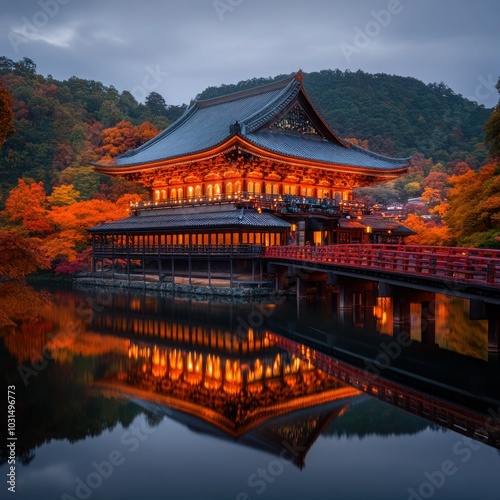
[(197, 411)]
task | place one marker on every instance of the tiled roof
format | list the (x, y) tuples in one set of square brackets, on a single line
[(322, 150), (178, 219), (209, 123), (377, 224)]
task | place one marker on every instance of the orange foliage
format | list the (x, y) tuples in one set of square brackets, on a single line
[(124, 136), (428, 232), (73, 220), (27, 204)]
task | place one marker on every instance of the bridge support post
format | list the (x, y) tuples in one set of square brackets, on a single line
[(301, 288), (428, 323), (493, 338), (401, 316)]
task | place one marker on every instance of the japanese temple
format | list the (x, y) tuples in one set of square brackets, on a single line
[(238, 172)]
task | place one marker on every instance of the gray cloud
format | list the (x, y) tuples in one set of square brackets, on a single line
[(190, 44)]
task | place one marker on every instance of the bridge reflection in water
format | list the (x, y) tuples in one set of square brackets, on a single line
[(206, 366)]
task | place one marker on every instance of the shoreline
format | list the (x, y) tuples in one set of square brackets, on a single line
[(177, 288)]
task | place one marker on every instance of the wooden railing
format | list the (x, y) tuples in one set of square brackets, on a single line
[(166, 250), (468, 265), (446, 414)]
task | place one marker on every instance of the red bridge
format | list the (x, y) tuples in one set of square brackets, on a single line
[(467, 269)]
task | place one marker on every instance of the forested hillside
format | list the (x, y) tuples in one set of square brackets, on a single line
[(60, 127)]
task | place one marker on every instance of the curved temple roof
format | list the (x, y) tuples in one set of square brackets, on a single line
[(249, 115)]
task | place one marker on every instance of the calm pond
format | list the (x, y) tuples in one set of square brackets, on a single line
[(356, 396)]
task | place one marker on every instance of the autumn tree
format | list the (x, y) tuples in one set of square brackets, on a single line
[(473, 214), (6, 114), (71, 222), (63, 195), (437, 181), (27, 206), (430, 232), (125, 136), (492, 130)]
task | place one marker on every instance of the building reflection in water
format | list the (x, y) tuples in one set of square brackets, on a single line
[(262, 386)]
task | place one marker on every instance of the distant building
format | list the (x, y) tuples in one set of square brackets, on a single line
[(234, 173)]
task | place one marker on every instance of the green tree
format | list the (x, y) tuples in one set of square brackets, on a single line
[(156, 104), (64, 195), (492, 130)]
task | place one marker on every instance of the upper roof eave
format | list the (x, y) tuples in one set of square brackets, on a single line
[(234, 139)]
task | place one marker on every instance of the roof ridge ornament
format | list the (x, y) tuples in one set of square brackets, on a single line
[(299, 76), (235, 128)]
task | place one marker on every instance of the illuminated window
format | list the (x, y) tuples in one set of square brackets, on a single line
[(217, 190), (251, 188), (269, 188), (180, 193), (190, 191), (197, 191), (237, 187), (209, 191), (173, 194), (229, 189), (309, 192), (276, 189), (258, 188)]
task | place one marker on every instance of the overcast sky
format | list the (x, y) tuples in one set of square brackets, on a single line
[(179, 47)]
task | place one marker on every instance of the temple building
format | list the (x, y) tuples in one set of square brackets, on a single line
[(249, 169)]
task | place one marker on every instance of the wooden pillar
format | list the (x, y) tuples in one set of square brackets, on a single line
[(173, 268), (93, 254), (128, 257), (144, 259), (112, 257), (189, 267), (209, 269), (231, 269)]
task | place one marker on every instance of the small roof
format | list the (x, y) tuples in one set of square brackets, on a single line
[(377, 224), (252, 115), (179, 219)]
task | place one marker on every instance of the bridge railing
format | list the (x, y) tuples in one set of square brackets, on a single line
[(468, 265)]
